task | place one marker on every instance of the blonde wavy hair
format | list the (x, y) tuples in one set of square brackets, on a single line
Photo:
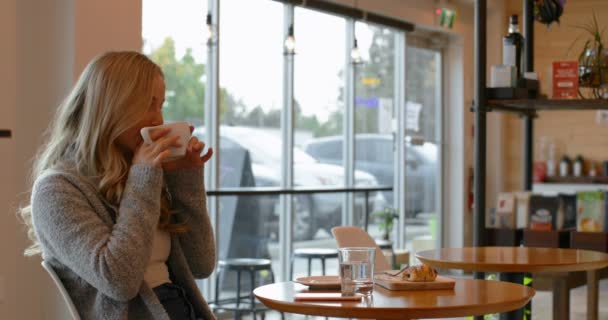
[(112, 94)]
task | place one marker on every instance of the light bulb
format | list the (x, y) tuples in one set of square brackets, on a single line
[(290, 44), (290, 41), (209, 33), (210, 29), (355, 55)]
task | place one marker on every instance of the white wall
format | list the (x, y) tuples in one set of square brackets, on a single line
[(8, 54), (45, 44)]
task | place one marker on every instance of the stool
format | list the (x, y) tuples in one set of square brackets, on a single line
[(388, 245), (313, 253), (250, 265)]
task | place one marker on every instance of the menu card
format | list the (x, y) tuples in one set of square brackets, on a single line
[(565, 80)]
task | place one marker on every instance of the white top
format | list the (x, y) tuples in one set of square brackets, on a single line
[(157, 272)]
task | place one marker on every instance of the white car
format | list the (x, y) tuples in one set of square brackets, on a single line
[(313, 211)]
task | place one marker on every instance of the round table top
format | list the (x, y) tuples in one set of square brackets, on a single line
[(514, 259), (469, 297)]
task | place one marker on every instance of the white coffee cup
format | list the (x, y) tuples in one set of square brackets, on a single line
[(181, 129)]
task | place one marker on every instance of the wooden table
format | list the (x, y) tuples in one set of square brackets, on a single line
[(469, 297), (513, 262)]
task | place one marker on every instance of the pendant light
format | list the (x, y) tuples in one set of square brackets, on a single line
[(290, 41), (210, 29), (355, 54)]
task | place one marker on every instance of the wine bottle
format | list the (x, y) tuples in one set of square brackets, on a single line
[(512, 47)]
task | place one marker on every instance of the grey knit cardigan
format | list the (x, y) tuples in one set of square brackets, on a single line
[(100, 251)]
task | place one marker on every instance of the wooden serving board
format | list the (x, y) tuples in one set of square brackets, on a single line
[(399, 285)]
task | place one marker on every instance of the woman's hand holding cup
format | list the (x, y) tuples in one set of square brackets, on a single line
[(182, 151), (158, 151), (193, 157)]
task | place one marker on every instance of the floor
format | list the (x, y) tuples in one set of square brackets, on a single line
[(542, 309)]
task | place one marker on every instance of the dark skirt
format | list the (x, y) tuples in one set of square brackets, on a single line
[(175, 302)]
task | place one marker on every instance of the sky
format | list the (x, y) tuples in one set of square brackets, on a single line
[(251, 48)]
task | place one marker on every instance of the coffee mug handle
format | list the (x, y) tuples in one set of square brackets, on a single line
[(145, 134)]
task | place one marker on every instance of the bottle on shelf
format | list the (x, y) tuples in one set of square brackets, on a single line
[(551, 163), (578, 166), (592, 169), (564, 166), (546, 155), (513, 46)]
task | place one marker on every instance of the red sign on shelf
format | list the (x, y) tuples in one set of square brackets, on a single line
[(565, 80)]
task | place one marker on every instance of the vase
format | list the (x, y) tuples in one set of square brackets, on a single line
[(593, 72)]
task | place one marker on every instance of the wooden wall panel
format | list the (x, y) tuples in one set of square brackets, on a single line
[(575, 132)]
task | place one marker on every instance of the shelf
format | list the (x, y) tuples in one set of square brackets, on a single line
[(547, 239), (531, 106), (597, 241), (577, 180), (509, 93), (503, 237)]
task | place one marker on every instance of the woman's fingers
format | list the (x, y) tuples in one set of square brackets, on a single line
[(207, 155), (158, 133), (195, 146), (158, 160), (191, 143), (165, 143)]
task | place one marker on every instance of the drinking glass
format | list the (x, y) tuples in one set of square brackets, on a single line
[(356, 270)]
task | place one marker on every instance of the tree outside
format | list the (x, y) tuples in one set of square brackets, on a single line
[(184, 78)]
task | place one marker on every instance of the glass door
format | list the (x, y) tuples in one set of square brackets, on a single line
[(422, 153)]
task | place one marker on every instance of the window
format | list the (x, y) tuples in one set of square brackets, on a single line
[(374, 94), (176, 45), (318, 75), (423, 143), (325, 150), (318, 111), (249, 115), (252, 70)]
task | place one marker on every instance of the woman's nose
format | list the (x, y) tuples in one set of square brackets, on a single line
[(158, 120)]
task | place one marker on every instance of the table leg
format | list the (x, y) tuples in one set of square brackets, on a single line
[(592, 294), (528, 306), (561, 298), (515, 278), (480, 276)]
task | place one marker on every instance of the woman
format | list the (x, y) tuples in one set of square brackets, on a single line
[(126, 232)]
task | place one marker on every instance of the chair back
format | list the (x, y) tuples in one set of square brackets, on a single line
[(62, 290), (349, 236)]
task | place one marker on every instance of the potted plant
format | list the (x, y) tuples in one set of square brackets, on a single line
[(386, 218), (593, 60), (548, 11)]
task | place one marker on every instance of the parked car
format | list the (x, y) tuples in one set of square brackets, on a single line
[(312, 211), (374, 153)]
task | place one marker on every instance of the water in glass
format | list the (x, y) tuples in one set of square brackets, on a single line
[(356, 277)]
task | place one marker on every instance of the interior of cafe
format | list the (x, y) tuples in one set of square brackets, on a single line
[(363, 159)]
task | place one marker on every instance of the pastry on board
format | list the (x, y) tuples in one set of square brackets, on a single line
[(419, 273)]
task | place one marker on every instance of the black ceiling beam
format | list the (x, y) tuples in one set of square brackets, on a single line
[(5, 133), (354, 13)]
